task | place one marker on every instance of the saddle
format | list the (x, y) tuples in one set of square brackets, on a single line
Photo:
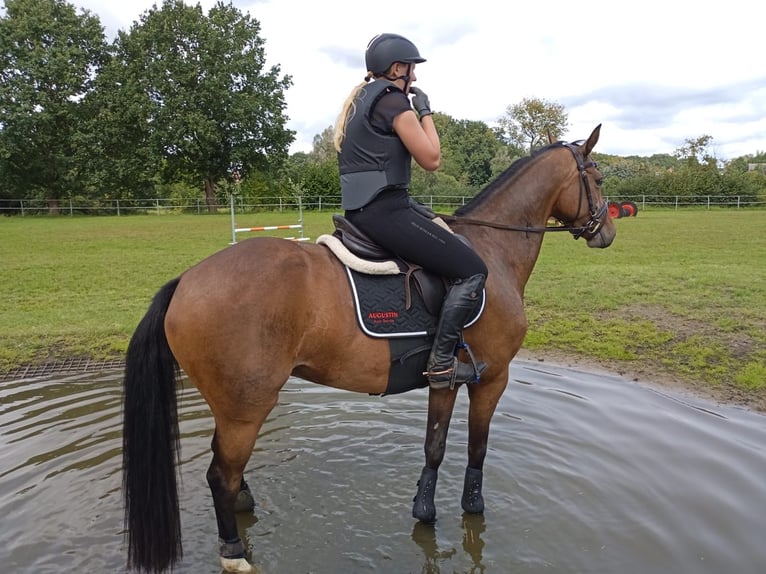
[(431, 287)]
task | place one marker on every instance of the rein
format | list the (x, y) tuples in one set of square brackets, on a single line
[(507, 227), (591, 227)]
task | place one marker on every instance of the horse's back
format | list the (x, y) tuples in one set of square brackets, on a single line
[(264, 262), (266, 308)]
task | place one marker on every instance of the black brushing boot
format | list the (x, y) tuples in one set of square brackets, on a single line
[(423, 507), (444, 369), (473, 501)]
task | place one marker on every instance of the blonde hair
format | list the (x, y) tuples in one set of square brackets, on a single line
[(346, 112)]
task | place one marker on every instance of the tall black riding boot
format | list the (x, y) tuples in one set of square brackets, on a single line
[(444, 369)]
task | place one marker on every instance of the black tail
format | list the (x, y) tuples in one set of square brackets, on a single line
[(150, 443)]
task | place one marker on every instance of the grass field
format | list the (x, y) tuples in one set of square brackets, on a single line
[(680, 293)]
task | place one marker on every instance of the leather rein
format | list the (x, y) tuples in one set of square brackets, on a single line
[(589, 229)]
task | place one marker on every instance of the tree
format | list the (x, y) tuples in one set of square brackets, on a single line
[(504, 158), (194, 92), (323, 148), (529, 123), (695, 151), (468, 148), (50, 55)]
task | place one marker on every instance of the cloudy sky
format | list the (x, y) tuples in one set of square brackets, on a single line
[(654, 73)]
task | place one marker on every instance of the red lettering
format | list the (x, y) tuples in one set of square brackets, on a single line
[(382, 315)]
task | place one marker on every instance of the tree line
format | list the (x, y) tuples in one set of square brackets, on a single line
[(183, 105)]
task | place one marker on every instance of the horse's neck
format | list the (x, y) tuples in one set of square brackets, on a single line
[(526, 201)]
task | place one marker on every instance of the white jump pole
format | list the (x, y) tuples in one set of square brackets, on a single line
[(299, 225)]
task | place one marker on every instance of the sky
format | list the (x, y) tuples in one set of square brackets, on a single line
[(653, 73)]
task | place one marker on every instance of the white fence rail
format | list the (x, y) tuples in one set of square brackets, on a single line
[(159, 206)]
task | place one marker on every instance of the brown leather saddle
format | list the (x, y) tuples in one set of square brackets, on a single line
[(431, 287)]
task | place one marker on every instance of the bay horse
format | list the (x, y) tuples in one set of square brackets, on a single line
[(242, 321)]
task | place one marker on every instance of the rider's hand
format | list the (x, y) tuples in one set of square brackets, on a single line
[(420, 102)]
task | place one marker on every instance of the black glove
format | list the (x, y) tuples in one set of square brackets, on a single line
[(420, 102)]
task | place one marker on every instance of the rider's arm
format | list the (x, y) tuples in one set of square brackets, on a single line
[(420, 138)]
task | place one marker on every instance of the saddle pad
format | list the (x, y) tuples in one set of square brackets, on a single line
[(381, 308)]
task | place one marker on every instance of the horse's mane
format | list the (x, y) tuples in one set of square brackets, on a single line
[(501, 180)]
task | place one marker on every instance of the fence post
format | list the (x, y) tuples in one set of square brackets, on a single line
[(737, 202), (21, 204), (71, 213), (233, 225), (300, 216), (676, 202)]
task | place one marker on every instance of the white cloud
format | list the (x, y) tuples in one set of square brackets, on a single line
[(653, 73)]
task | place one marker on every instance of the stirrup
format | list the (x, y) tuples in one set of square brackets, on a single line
[(447, 377)]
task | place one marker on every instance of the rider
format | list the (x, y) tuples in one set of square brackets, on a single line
[(377, 135)]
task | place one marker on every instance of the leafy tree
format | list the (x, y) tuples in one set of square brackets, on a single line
[(468, 148), (426, 185), (192, 90), (313, 175), (323, 147), (49, 55), (319, 180), (530, 123), (504, 157), (695, 151)]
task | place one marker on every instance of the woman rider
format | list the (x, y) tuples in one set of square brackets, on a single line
[(377, 135)]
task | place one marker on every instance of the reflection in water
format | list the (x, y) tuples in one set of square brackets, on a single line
[(473, 527), (585, 474), (424, 535)]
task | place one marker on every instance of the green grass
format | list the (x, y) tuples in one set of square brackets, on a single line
[(683, 292)]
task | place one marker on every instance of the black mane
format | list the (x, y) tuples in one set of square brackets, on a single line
[(503, 178)]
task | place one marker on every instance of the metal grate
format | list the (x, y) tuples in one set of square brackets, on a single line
[(66, 366)]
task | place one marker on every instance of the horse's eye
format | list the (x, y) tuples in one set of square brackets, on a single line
[(598, 181)]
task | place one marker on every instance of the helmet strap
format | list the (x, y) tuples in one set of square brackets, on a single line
[(405, 77)]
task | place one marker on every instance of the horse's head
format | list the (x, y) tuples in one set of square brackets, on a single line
[(580, 206)]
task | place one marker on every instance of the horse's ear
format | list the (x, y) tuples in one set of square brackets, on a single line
[(592, 140)]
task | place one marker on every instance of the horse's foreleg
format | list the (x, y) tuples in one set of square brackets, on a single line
[(440, 406), (482, 407)]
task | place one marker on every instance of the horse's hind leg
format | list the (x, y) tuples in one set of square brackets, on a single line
[(232, 445)]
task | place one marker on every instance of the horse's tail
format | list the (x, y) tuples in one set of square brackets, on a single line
[(150, 443)]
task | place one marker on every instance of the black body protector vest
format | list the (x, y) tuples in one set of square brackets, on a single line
[(370, 161)]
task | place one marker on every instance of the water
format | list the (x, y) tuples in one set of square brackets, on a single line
[(587, 473)]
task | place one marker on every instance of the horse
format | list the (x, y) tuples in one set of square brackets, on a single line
[(243, 320)]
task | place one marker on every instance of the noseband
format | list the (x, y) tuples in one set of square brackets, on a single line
[(595, 222), (590, 229)]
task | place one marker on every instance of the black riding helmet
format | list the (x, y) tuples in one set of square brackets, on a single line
[(385, 49)]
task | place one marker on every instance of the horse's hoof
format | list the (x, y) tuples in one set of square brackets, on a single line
[(237, 565), (472, 501), (423, 507)]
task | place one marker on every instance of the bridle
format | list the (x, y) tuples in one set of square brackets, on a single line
[(591, 227)]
